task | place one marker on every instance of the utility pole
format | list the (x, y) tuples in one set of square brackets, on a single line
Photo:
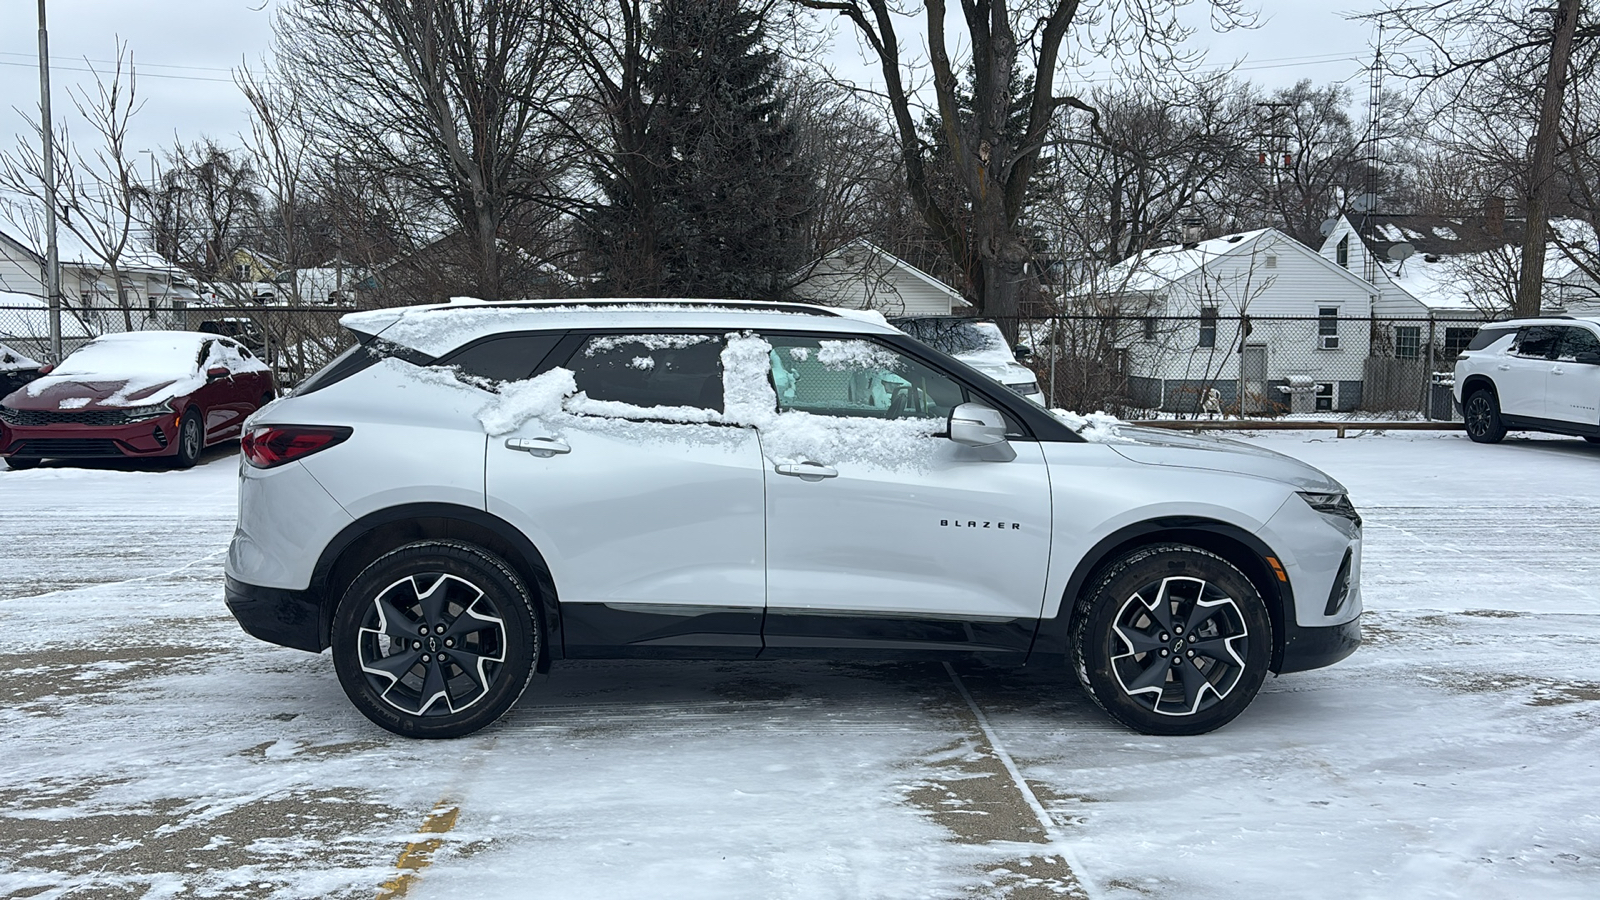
[(52, 257), (1530, 284)]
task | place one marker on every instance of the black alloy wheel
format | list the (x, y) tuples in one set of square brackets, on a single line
[(436, 639), (191, 440), (1482, 415), (1172, 640)]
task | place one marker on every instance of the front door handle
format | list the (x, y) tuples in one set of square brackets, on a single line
[(1504, 367), (808, 471), (542, 447)]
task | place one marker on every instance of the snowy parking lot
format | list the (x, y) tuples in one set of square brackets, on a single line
[(149, 748)]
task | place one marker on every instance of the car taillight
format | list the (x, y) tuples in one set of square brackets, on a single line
[(265, 446)]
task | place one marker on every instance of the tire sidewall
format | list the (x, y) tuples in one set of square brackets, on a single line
[(1093, 641), (190, 420), (485, 571), (1493, 429)]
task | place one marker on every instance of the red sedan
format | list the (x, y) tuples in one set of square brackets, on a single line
[(140, 394)]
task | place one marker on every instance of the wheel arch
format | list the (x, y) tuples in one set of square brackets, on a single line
[(369, 537), (1239, 547), (1477, 382)]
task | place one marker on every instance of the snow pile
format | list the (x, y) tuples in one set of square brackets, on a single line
[(1098, 427), (539, 397), (11, 360)]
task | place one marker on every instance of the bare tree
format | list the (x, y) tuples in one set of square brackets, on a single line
[(994, 138), (96, 189), (447, 97), (1488, 53)]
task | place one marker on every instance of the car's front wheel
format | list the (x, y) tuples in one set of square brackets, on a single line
[(1482, 415), (1172, 639), (191, 440), (435, 639)]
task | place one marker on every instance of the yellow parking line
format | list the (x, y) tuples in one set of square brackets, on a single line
[(419, 854)]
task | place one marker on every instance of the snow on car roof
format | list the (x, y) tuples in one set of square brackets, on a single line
[(439, 328)]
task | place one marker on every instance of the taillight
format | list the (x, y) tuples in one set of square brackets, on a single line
[(265, 446)]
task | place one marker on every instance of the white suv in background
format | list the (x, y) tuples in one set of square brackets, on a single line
[(1532, 375), (477, 491)]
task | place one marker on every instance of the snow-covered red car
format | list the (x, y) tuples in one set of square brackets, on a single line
[(477, 490), (139, 394)]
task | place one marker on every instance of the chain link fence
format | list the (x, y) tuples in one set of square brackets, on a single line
[(1145, 367), (295, 341)]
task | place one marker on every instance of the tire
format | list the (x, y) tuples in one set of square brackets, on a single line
[(413, 684), (1139, 666), (191, 440), (19, 463), (1482, 415)]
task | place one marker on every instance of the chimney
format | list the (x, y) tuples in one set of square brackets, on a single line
[(1194, 231), (1494, 215)]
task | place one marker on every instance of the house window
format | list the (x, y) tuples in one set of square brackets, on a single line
[(242, 272), (1456, 341), (1342, 252), (1327, 327), (1149, 328), (1208, 326), (1324, 396), (1407, 341)]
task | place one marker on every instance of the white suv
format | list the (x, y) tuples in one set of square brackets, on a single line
[(477, 491), (1531, 375)]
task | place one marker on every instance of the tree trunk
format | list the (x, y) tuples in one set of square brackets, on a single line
[(1530, 285)]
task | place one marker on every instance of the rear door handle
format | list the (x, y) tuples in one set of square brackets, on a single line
[(543, 447), (808, 471), (1504, 367)]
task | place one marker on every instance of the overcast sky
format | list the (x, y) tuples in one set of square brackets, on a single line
[(185, 49)]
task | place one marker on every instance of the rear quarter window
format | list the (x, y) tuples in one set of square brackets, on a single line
[(1488, 336)]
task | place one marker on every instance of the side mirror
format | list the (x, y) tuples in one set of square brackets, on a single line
[(46, 370), (976, 425), (1588, 357), (1022, 352), (215, 372)]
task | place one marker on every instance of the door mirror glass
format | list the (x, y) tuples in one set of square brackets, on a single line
[(1588, 357), (976, 425)]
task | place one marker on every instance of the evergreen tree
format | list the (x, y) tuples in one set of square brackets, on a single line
[(719, 206)]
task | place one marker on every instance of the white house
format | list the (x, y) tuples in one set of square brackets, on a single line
[(861, 275), (1246, 315), (154, 285)]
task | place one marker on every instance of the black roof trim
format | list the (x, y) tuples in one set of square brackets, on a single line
[(688, 302)]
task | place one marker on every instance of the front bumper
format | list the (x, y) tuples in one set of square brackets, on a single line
[(287, 618), (1312, 648), (151, 437)]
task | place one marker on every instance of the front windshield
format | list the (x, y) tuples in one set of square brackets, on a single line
[(128, 356), (956, 336)]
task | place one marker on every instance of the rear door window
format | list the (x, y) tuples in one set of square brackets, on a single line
[(1538, 342), (651, 371)]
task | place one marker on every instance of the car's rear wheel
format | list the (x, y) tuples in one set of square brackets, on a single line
[(1172, 639), (23, 462), (436, 639), (191, 440), (1482, 415)]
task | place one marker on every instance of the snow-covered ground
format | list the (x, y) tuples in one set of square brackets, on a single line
[(148, 748)]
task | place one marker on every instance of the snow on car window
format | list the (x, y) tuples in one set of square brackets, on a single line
[(841, 355), (606, 343), (643, 362)]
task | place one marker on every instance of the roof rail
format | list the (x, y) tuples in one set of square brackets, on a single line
[(741, 305)]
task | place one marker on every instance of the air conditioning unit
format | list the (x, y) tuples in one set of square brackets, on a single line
[(1328, 341)]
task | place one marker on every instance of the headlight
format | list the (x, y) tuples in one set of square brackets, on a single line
[(1332, 505), (140, 413)]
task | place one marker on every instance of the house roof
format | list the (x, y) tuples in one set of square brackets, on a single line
[(895, 264), (23, 223), (1156, 270)]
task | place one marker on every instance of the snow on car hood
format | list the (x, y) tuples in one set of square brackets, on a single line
[(1001, 370), (1163, 447), (85, 392)]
